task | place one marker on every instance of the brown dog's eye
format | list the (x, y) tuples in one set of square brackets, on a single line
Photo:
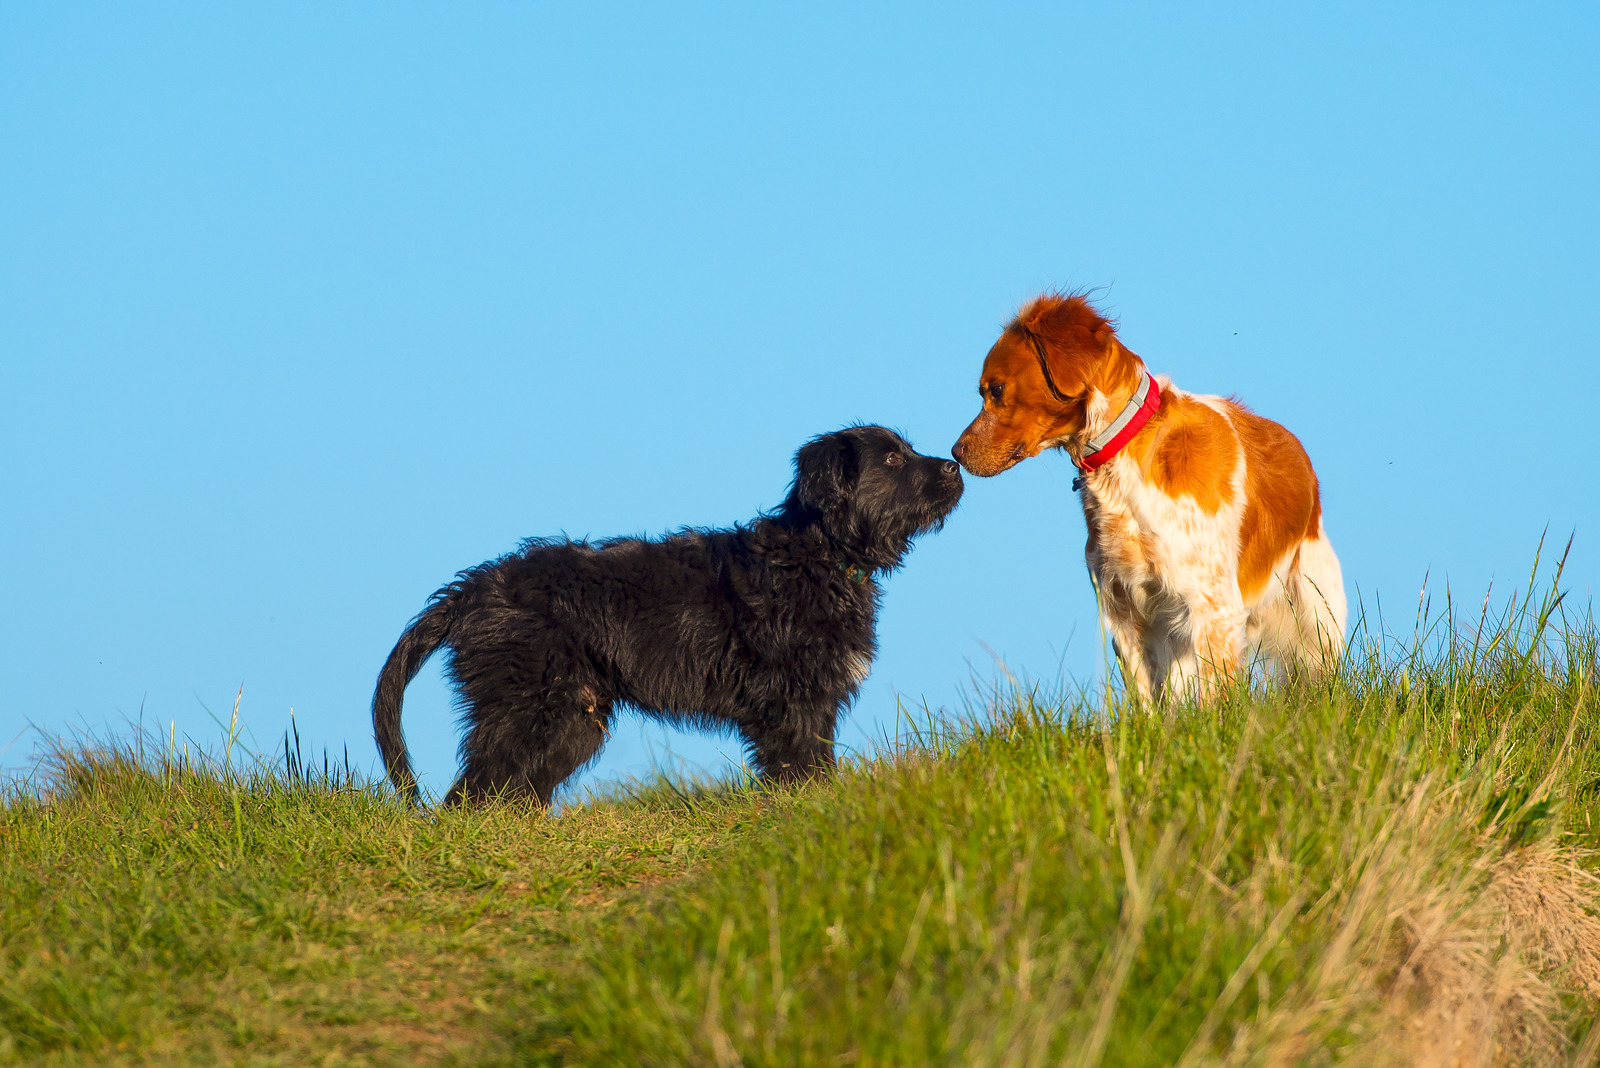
[(995, 393), (894, 459)]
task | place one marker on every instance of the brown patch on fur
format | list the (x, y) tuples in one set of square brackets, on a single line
[(1188, 450), (1283, 505)]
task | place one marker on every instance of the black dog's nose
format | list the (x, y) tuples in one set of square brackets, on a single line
[(951, 467)]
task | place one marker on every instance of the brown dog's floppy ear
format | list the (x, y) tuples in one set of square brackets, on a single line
[(1066, 319), (1069, 338), (823, 468)]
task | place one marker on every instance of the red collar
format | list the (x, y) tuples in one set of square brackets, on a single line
[(1144, 403)]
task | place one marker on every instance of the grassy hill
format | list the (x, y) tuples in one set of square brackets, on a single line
[(1392, 866)]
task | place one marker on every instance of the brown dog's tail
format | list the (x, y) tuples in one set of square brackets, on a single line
[(425, 634)]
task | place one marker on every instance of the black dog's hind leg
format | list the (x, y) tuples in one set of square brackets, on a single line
[(517, 753), (794, 744)]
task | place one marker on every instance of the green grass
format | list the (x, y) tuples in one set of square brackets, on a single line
[(166, 912), (1389, 865)]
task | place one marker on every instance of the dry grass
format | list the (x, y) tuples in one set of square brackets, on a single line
[(1482, 965)]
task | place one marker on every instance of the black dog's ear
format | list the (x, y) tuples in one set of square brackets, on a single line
[(824, 468)]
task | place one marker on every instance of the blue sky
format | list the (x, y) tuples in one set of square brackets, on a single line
[(304, 307)]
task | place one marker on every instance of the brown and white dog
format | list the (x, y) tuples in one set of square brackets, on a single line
[(1205, 524)]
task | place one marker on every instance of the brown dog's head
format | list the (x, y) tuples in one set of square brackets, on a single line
[(1050, 375)]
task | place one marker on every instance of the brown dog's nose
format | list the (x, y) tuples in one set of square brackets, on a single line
[(958, 448)]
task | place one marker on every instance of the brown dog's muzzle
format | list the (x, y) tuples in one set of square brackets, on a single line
[(984, 449)]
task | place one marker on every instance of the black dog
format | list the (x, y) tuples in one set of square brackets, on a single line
[(768, 628)]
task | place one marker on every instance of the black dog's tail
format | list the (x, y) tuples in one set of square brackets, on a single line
[(425, 634)]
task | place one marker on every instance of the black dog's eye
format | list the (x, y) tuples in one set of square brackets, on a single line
[(894, 459)]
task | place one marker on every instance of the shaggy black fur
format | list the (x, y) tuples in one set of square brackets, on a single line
[(767, 628)]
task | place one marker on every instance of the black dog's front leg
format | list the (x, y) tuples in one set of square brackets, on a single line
[(795, 743)]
